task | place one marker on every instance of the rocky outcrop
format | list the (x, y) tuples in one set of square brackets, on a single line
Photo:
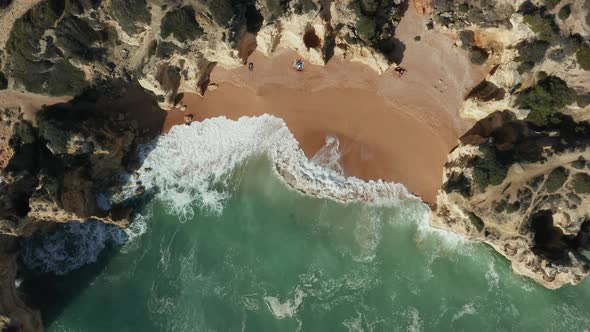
[(518, 179), (65, 168), (525, 192), (14, 314)]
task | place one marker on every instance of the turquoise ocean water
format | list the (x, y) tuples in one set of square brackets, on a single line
[(273, 259)]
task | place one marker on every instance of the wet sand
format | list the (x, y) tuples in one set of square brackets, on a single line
[(389, 128)]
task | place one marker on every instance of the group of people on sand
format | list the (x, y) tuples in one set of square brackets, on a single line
[(299, 65)]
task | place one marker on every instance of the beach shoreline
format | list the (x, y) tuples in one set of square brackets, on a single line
[(390, 128)]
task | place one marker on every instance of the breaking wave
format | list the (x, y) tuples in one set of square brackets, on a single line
[(189, 166), (71, 246)]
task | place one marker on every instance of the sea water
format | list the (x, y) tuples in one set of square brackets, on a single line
[(227, 245)]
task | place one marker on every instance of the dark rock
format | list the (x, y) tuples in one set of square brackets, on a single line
[(486, 91)]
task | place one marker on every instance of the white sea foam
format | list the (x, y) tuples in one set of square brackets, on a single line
[(137, 228), (329, 155), (285, 309), (190, 162), (70, 247), (467, 309)]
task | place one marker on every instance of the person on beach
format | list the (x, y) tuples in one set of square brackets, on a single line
[(298, 65), (400, 71), (250, 66)]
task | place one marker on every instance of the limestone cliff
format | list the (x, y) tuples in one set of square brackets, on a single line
[(518, 179), (62, 167), (59, 47), (525, 192)]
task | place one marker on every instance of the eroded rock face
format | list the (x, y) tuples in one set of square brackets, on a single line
[(60, 170), (524, 192), (14, 314)]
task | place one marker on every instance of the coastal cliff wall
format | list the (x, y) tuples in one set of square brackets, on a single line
[(518, 179), (61, 47)]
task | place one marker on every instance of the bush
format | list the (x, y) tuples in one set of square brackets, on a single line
[(181, 24), (556, 179), (583, 56), (532, 51), (581, 182), (276, 8), (467, 38), (580, 163), (463, 8), (525, 67), (37, 74), (75, 37), (129, 13), (221, 11), (543, 25), (365, 27), (487, 170), (545, 99), (565, 12)]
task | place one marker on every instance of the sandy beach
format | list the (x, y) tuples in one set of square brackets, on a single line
[(391, 128)]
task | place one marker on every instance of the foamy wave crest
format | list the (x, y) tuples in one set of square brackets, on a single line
[(185, 165), (70, 246)]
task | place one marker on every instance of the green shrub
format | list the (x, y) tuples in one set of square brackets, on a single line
[(545, 99), (75, 37), (543, 25), (525, 67), (276, 8), (487, 170), (583, 56), (467, 38), (565, 12), (580, 163), (365, 27), (181, 24), (129, 13), (37, 74), (556, 179), (221, 11), (463, 8), (476, 221), (532, 51), (581, 182), (458, 182)]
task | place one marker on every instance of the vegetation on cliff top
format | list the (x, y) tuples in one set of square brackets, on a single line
[(181, 24), (565, 12), (583, 56), (556, 179), (545, 100), (131, 14), (543, 25), (49, 73), (76, 37), (487, 168)]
